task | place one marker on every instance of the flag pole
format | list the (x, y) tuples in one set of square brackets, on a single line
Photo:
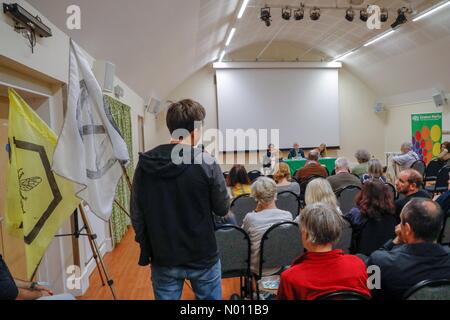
[(96, 252), (125, 174)]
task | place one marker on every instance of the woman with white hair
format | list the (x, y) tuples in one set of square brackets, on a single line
[(319, 190), (266, 214), (322, 270), (407, 158)]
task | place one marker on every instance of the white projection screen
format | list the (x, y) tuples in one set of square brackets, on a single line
[(302, 103)]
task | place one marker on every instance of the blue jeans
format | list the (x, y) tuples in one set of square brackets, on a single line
[(168, 282)]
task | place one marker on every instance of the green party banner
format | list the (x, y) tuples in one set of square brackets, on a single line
[(427, 135)]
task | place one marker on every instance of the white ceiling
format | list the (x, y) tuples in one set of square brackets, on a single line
[(157, 44)]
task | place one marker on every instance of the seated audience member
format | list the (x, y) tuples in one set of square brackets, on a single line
[(445, 154), (13, 289), (444, 199), (409, 184), (312, 168), (323, 153), (266, 214), (413, 256), (322, 270), (363, 157), (238, 182), (270, 159), (373, 219), (407, 158), (296, 152), (283, 179), (343, 178), (376, 172), (319, 190)]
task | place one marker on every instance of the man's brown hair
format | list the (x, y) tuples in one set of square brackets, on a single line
[(183, 115)]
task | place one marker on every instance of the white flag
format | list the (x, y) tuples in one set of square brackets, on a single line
[(90, 147)]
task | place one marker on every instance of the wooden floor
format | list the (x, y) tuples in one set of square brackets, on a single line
[(132, 282)]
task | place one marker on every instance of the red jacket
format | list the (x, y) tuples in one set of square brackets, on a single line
[(315, 274)]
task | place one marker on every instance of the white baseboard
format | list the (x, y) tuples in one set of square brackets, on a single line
[(91, 266)]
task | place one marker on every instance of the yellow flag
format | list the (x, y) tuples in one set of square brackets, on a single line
[(37, 201)]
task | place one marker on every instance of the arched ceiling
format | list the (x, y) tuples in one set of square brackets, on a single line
[(157, 44)]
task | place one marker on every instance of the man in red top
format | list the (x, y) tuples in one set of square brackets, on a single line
[(312, 168), (322, 270)]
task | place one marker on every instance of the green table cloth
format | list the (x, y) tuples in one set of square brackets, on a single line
[(294, 165)]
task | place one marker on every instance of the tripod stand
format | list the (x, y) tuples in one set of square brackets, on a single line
[(94, 247)]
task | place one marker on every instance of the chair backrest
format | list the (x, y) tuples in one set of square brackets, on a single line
[(347, 198), (280, 245), (343, 295), (305, 183), (345, 241), (444, 237), (288, 201), (432, 169), (242, 205), (254, 174), (233, 244), (429, 290), (442, 180), (392, 190), (226, 174), (420, 166)]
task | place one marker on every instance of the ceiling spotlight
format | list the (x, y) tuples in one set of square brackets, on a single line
[(299, 14), (266, 16), (364, 15), (286, 13), (315, 14), (350, 14), (384, 16), (401, 19)]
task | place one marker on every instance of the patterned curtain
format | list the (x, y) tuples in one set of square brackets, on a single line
[(119, 220)]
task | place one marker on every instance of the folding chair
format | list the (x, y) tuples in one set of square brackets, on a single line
[(254, 174), (233, 244), (346, 198), (288, 201), (242, 205), (429, 290), (280, 245), (420, 166)]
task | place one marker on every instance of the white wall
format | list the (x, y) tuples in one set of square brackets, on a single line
[(398, 122)]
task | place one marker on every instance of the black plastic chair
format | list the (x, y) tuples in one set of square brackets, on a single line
[(254, 174), (226, 174), (288, 201), (280, 245), (432, 169), (242, 205), (345, 241), (233, 244), (444, 236), (347, 198), (420, 166), (343, 295), (441, 184), (429, 290), (392, 190)]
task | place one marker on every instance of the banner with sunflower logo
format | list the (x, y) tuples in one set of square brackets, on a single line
[(427, 135)]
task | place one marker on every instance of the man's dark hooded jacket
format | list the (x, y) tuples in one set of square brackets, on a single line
[(173, 204)]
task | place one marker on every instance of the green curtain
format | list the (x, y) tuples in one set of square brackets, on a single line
[(121, 113)]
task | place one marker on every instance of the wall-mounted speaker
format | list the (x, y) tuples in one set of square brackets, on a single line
[(105, 71), (440, 99), (153, 106), (379, 108)]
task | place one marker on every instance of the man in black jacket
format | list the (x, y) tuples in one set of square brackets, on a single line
[(414, 255), (176, 190)]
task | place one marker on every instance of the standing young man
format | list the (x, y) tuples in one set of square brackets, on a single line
[(176, 190)]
